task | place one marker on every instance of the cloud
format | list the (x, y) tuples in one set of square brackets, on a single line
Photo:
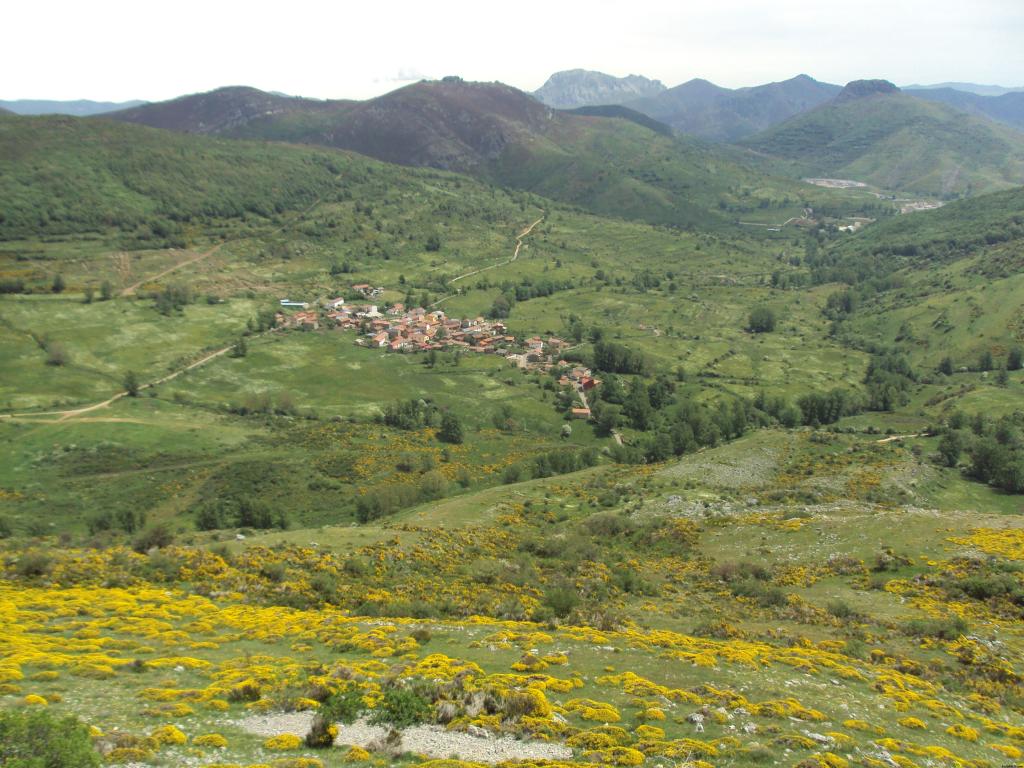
[(403, 75)]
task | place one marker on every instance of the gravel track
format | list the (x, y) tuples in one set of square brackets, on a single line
[(431, 740)]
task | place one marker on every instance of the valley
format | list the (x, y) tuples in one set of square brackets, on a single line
[(448, 429)]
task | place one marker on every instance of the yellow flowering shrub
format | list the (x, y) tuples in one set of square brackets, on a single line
[(863, 725), (963, 732), (1007, 750), (34, 700), (214, 740), (624, 756), (128, 755), (649, 732), (595, 711), (168, 735), (283, 741), (591, 740), (356, 755), (297, 762), (912, 722)]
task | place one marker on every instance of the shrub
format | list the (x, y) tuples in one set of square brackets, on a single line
[(156, 536), (840, 609), (762, 320), (561, 598), (283, 741), (56, 355), (36, 739), (764, 595), (400, 708), (32, 564), (949, 628), (322, 732), (168, 734), (343, 707), (214, 740)]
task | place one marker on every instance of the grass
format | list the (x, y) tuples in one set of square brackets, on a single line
[(643, 551), (898, 142)]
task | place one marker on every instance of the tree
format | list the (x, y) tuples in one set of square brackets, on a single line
[(131, 384), (89, 294), (1002, 377), (950, 447), (56, 354), (946, 366), (762, 320), (451, 429), (985, 362), (58, 283), (106, 291), (37, 739), (241, 348), (500, 308), (607, 421), (433, 242), (637, 407), (1015, 359)]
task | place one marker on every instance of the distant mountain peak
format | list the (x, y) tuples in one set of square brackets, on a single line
[(574, 88), (860, 89)]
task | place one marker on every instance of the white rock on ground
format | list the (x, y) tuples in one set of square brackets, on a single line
[(430, 740)]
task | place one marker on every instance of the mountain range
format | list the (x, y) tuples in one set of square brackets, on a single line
[(875, 133), (1005, 108), (584, 88), (78, 108), (701, 108), (980, 90), (614, 162)]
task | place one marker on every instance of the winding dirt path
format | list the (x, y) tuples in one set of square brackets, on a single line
[(515, 255), (73, 412), (200, 257)]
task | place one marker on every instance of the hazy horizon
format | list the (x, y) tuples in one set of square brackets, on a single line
[(118, 51)]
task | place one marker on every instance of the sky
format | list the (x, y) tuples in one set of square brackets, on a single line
[(153, 50)]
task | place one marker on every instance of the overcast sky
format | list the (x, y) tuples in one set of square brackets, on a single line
[(117, 50)]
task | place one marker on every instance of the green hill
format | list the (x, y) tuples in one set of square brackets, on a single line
[(898, 142), (936, 284), (609, 165), (62, 174)]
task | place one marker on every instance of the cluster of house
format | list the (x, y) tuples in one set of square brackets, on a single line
[(399, 329)]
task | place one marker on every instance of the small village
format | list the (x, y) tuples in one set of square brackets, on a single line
[(402, 329)]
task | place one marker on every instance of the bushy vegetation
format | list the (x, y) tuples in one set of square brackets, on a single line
[(37, 739)]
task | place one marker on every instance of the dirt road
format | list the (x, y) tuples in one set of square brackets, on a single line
[(515, 255), (200, 257), (73, 412)]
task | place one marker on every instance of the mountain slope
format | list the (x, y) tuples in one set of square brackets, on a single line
[(61, 174), (980, 90), (617, 110), (582, 88), (219, 111), (79, 108), (1007, 108), (962, 228), (898, 142), (504, 136), (703, 109)]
